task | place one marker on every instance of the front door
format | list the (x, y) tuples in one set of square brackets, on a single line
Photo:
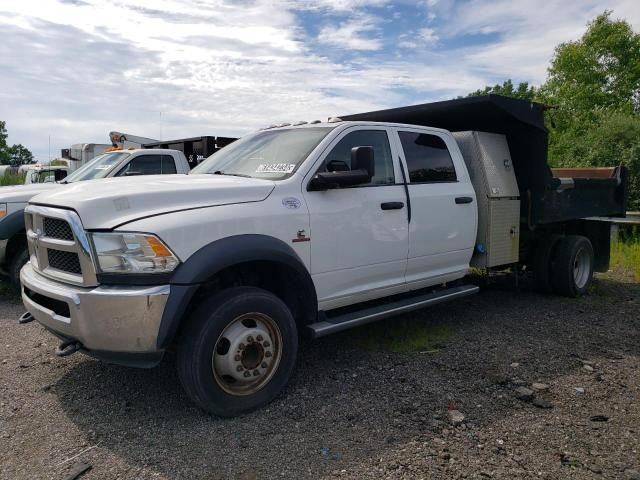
[(359, 235)]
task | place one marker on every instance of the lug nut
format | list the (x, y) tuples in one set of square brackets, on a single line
[(239, 368), (237, 358), (267, 354), (241, 346), (247, 374), (259, 338), (264, 365), (266, 344), (256, 373), (249, 339)]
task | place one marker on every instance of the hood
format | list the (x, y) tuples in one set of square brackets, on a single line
[(109, 202), (24, 193)]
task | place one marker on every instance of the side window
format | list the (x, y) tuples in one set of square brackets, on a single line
[(427, 157), (142, 165), (340, 157), (168, 165)]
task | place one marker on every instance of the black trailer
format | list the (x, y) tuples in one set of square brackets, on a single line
[(554, 203), (195, 149)]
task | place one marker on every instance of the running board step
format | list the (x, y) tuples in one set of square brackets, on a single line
[(371, 314)]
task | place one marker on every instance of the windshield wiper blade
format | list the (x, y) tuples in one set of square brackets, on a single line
[(220, 172)]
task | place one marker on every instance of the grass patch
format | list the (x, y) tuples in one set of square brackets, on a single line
[(625, 255), (11, 179), (403, 336)]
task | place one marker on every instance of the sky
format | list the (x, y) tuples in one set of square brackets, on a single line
[(71, 71)]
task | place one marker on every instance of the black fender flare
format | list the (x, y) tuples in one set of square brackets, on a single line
[(12, 224), (224, 253)]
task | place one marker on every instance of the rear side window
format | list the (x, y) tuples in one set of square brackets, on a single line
[(428, 158), (149, 165)]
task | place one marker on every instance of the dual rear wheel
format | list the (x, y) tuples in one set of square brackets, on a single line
[(564, 265)]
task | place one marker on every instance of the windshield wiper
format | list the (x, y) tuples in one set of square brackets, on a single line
[(220, 172)]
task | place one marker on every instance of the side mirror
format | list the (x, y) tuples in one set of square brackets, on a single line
[(362, 170)]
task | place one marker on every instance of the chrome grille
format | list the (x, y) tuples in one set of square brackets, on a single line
[(65, 261), (58, 245), (56, 228)]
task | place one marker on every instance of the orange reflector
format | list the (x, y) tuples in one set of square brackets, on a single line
[(3, 213), (158, 247)]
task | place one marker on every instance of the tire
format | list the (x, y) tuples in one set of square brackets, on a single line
[(18, 260), (254, 326), (572, 266), (542, 262)]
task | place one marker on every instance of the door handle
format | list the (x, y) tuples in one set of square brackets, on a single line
[(460, 200), (391, 205)]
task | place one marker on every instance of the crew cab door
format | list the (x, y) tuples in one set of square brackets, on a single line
[(442, 229), (359, 234)]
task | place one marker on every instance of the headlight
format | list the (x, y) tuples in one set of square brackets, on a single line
[(3, 210), (132, 253)]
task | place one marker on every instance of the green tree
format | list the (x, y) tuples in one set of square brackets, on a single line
[(58, 162), (4, 148), (601, 70), (20, 155), (595, 84), (523, 91)]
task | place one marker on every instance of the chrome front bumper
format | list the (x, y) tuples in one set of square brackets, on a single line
[(122, 319)]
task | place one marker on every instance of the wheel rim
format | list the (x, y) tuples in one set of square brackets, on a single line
[(247, 354), (581, 268)]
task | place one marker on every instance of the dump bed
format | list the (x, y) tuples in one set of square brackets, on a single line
[(547, 196)]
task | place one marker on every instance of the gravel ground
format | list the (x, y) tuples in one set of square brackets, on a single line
[(351, 412)]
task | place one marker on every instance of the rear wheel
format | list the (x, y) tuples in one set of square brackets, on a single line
[(542, 262), (572, 266), (238, 350)]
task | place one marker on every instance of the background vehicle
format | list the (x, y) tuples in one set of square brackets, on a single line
[(81, 153), (196, 149), (45, 173), (313, 229), (13, 200)]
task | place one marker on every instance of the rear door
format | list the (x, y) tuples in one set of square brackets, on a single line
[(358, 235), (442, 230)]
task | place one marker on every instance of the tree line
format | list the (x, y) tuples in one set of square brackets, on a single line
[(593, 85), (15, 154)]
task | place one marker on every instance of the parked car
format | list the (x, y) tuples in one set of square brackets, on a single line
[(13, 243)]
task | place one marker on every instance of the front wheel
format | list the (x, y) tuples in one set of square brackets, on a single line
[(237, 351), (18, 260)]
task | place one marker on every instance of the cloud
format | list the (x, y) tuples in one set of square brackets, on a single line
[(76, 69), (353, 34)]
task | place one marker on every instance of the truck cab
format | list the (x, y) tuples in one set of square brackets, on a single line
[(292, 223), (117, 163)]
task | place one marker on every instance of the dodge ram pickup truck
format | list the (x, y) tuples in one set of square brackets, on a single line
[(118, 163), (305, 229)]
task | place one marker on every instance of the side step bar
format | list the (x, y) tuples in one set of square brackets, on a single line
[(371, 314)]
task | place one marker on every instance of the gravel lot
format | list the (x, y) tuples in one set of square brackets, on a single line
[(351, 412)]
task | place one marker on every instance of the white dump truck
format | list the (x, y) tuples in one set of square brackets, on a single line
[(308, 229)]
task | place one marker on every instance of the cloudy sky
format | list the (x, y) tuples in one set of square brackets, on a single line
[(73, 70)]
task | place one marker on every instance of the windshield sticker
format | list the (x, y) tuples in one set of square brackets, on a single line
[(291, 202), (275, 168)]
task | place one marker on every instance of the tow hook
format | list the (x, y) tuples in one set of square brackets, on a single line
[(68, 347), (26, 317)]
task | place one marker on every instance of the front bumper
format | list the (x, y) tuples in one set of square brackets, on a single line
[(117, 324)]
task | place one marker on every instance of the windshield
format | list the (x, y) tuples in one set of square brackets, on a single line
[(99, 167), (269, 154)]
